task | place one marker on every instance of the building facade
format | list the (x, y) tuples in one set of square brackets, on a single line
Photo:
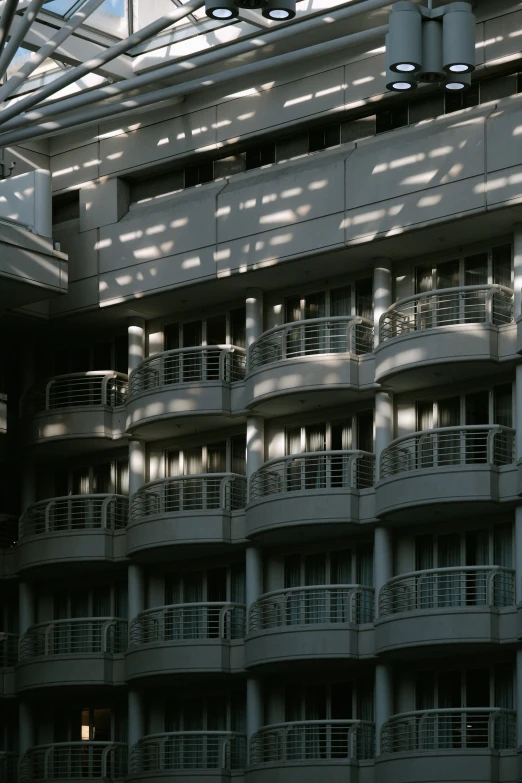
[(261, 513)]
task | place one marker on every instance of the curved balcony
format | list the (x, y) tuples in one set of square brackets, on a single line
[(76, 407), (311, 494), (449, 470), (447, 334), (8, 658), (325, 750), (207, 508), (447, 606), (302, 358), (208, 755), (73, 529), (8, 766), (181, 638), (76, 651), (319, 622), (169, 388), (65, 761), (451, 744)]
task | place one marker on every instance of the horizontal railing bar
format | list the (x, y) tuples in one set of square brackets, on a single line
[(315, 455), (445, 291), (358, 319), (450, 569)]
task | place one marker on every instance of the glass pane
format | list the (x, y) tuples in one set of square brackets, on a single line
[(448, 274), (423, 279), (502, 265), (364, 298), (476, 269)]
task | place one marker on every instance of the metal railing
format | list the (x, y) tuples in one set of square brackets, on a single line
[(446, 446), (196, 364), (78, 389), (314, 470), (436, 588), (313, 337), (179, 622), (75, 636), (8, 649), (105, 760), (201, 492), (472, 304), (179, 750), (329, 740), (303, 606), (75, 513), (8, 531), (450, 729), (8, 767)]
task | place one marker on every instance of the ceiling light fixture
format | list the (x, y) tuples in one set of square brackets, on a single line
[(221, 9), (426, 45), (277, 10)]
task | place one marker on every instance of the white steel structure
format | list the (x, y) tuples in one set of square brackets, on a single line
[(260, 498)]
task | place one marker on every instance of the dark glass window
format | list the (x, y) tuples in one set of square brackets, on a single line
[(455, 101), (198, 174), (391, 118), (322, 138), (260, 156)]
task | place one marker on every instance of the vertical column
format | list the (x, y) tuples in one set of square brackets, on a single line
[(517, 269), (382, 292), (383, 426), (25, 607), (136, 465), (519, 698), (25, 728), (254, 715), (254, 315), (383, 700), (136, 342), (382, 560), (136, 721), (135, 588), (517, 313), (28, 488)]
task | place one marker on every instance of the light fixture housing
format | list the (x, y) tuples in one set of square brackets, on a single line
[(251, 4), (221, 10), (404, 40), (457, 81), (279, 10), (432, 71), (400, 82), (458, 39)]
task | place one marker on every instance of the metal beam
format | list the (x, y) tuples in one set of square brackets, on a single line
[(7, 20), (183, 67), (48, 48), (117, 108), (71, 76), (17, 38)]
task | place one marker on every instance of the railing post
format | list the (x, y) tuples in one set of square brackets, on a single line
[(48, 394)]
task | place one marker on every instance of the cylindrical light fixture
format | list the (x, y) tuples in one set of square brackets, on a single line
[(457, 81), (400, 82), (221, 9), (459, 39), (252, 4), (279, 10), (431, 71), (404, 47)]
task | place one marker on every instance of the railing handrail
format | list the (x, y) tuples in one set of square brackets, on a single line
[(159, 482), (65, 620), (78, 744), (88, 374), (200, 604), (452, 710), (315, 454), (286, 590), (166, 734), (440, 291), (90, 496), (228, 347), (450, 569), (356, 319), (324, 722), (448, 430)]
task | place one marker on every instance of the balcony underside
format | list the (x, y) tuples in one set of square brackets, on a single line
[(456, 766), (190, 656), (62, 671), (70, 550), (311, 771), (76, 430), (433, 494)]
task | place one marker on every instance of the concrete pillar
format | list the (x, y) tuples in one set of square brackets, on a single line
[(25, 728), (25, 607), (255, 447), (382, 561), (383, 427), (136, 718), (28, 369), (382, 291), (383, 701), (136, 592), (254, 574), (254, 713), (28, 488), (518, 704), (136, 336), (517, 268), (254, 315), (518, 454), (136, 465)]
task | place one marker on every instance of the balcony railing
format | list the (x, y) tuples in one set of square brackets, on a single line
[(472, 304), (314, 337), (8, 766), (452, 729), (449, 446), (8, 649), (75, 513), (75, 637), (85, 760), (196, 364), (189, 750), (79, 389), (314, 470), (328, 740), (437, 588), (202, 492), (179, 622), (8, 531), (312, 605)]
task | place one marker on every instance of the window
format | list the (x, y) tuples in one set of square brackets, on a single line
[(322, 138), (66, 206), (217, 457), (259, 156), (105, 355), (199, 174), (95, 478), (462, 99), (391, 118)]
